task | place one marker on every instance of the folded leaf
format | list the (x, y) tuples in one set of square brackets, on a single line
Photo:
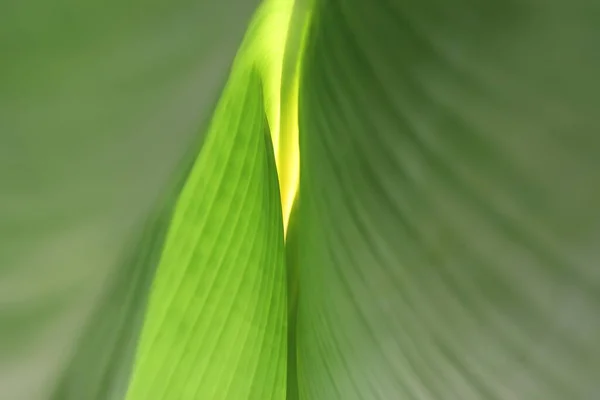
[(216, 321), (449, 225)]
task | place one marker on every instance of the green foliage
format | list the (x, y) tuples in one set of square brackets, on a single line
[(442, 240)]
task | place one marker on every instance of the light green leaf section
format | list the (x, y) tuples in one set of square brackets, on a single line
[(100, 101), (450, 184), (216, 321)]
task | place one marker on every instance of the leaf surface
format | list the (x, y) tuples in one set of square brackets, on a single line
[(216, 321), (449, 226)]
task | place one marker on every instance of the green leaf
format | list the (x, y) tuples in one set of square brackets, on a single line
[(216, 321), (449, 225), (101, 105)]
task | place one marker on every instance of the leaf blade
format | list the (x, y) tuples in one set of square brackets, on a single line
[(216, 323)]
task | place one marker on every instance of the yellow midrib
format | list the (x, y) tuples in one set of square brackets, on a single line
[(265, 48)]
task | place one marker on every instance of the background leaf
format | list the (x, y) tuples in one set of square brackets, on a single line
[(216, 321), (99, 103), (100, 368), (449, 223)]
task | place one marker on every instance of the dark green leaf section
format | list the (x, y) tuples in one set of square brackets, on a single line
[(450, 228), (102, 363), (101, 366), (216, 321), (292, 242)]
